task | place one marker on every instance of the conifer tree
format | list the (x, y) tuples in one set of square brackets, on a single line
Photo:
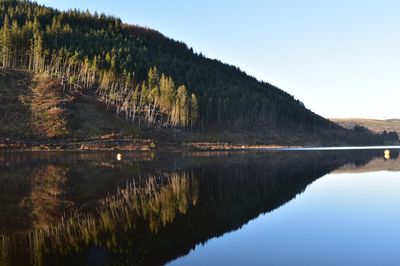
[(37, 48), (6, 43), (194, 105)]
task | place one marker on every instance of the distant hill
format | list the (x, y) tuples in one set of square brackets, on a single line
[(147, 79), (374, 125), (374, 165)]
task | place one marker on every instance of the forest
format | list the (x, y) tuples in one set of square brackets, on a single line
[(136, 70), (75, 48)]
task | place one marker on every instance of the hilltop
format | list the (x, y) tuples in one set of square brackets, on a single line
[(75, 76)]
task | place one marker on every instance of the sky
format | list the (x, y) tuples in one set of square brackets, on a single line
[(341, 58)]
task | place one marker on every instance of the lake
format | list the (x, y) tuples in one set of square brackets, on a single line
[(281, 207)]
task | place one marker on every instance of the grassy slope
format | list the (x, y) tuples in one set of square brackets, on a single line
[(374, 125), (34, 107), (15, 115)]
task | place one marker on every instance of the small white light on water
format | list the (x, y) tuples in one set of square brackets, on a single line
[(387, 154), (119, 156)]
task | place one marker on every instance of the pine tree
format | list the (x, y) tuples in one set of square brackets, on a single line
[(182, 107), (193, 110), (37, 48), (6, 43)]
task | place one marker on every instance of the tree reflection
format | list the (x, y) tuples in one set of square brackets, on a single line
[(169, 204)]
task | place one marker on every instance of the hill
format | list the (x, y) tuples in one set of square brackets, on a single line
[(375, 125), (153, 83), (36, 108)]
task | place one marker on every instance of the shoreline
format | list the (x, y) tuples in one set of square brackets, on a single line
[(126, 145), (147, 145)]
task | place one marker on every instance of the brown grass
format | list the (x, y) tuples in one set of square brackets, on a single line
[(48, 108), (36, 107)]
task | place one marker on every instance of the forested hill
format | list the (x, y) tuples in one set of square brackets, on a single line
[(147, 78), (91, 50)]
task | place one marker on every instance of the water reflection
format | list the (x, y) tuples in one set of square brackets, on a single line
[(146, 208)]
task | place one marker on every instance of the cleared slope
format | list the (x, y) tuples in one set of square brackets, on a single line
[(35, 107), (14, 114)]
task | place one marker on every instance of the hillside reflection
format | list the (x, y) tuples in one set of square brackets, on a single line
[(147, 209)]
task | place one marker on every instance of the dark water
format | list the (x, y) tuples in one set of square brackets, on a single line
[(200, 208)]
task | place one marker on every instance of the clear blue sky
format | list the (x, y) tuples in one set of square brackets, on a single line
[(341, 57)]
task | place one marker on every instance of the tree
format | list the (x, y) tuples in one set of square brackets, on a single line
[(37, 47), (182, 106), (167, 96), (193, 110), (6, 43)]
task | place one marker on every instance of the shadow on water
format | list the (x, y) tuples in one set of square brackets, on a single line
[(147, 209)]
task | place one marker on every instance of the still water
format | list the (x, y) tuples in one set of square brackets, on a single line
[(200, 208)]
